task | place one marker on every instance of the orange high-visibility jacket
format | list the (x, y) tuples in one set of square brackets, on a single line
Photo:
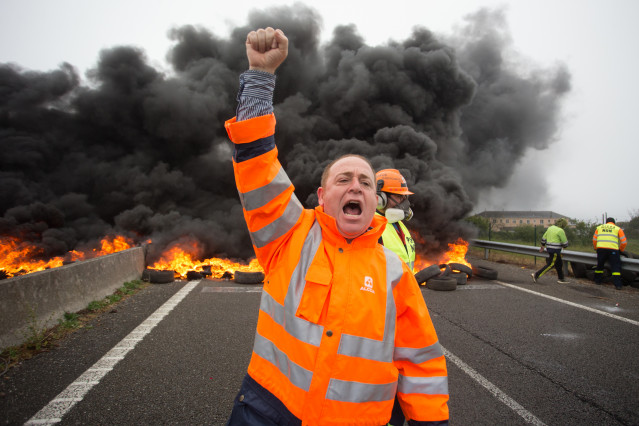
[(342, 326), (609, 236)]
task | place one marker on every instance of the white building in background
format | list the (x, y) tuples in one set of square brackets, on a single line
[(511, 219)]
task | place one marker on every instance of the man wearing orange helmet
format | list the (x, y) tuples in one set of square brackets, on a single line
[(392, 202)]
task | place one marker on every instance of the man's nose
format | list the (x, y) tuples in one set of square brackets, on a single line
[(355, 186)]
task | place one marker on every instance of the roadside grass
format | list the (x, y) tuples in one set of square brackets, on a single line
[(38, 338)]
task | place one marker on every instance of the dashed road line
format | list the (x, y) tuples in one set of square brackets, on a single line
[(54, 411)]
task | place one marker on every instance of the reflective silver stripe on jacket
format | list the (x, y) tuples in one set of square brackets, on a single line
[(377, 350), (437, 385), (419, 355), (340, 390), (279, 226), (284, 315), (556, 246), (259, 197), (298, 375)]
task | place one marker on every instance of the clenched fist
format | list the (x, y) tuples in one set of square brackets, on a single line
[(266, 49)]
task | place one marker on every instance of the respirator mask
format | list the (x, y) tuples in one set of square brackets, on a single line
[(402, 211)]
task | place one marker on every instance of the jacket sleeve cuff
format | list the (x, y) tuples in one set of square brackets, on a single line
[(250, 130)]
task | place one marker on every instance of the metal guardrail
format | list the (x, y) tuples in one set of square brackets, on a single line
[(627, 264)]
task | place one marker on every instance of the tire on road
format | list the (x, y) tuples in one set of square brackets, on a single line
[(442, 284), (427, 273), (155, 276), (194, 275), (485, 272), (241, 277), (460, 267), (461, 277), (446, 270), (578, 269)]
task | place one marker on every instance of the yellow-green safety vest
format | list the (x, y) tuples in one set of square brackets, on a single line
[(608, 236), (392, 240)]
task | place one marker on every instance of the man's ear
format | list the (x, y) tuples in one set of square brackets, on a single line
[(320, 197)]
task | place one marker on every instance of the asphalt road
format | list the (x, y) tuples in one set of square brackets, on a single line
[(517, 353)]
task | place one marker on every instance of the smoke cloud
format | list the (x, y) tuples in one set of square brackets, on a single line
[(144, 154)]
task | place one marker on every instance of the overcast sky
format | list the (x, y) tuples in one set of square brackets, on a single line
[(590, 170)]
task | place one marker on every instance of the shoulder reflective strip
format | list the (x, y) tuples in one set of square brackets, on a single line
[(419, 355), (298, 375), (285, 315), (279, 226), (303, 330), (261, 196), (340, 390), (357, 346), (437, 385)]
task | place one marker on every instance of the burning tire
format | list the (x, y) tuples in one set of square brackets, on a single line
[(248, 277), (158, 277), (447, 270), (578, 269), (461, 277), (460, 267), (194, 275), (442, 284), (427, 273), (484, 272)]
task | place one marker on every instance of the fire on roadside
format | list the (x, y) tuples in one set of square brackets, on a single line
[(21, 257), (456, 254), (181, 261)]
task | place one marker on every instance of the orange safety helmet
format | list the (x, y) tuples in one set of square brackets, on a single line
[(391, 181)]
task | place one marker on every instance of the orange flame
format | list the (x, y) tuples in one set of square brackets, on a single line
[(20, 257), (179, 259), (456, 254)]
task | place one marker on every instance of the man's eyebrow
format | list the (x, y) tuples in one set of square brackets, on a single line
[(346, 174)]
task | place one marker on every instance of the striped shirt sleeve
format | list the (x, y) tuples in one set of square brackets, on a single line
[(255, 97)]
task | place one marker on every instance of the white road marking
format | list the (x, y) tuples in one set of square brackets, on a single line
[(231, 289), (511, 403), (74, 393), (576, 305)]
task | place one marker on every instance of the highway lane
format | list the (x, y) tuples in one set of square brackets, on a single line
[(514, 356)]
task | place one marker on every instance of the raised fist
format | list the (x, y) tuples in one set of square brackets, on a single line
[(266, 49)]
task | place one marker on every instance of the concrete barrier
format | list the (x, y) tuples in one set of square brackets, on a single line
[(41, 298)]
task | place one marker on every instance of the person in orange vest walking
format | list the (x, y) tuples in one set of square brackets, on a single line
[(342, 325), (609, 241)]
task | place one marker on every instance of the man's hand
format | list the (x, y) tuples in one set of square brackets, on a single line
[(541, 249), (266, 49)]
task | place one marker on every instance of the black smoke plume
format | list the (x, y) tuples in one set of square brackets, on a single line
[(144, 154)]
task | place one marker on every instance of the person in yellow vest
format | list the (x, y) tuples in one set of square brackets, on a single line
[(553, 240), (609, 240), (392, 202)]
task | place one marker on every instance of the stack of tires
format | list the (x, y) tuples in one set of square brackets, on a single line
[(444, 277)]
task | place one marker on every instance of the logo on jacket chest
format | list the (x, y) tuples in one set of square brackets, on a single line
[(368, 285)]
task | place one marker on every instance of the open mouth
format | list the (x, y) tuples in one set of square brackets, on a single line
[(352, 208)]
